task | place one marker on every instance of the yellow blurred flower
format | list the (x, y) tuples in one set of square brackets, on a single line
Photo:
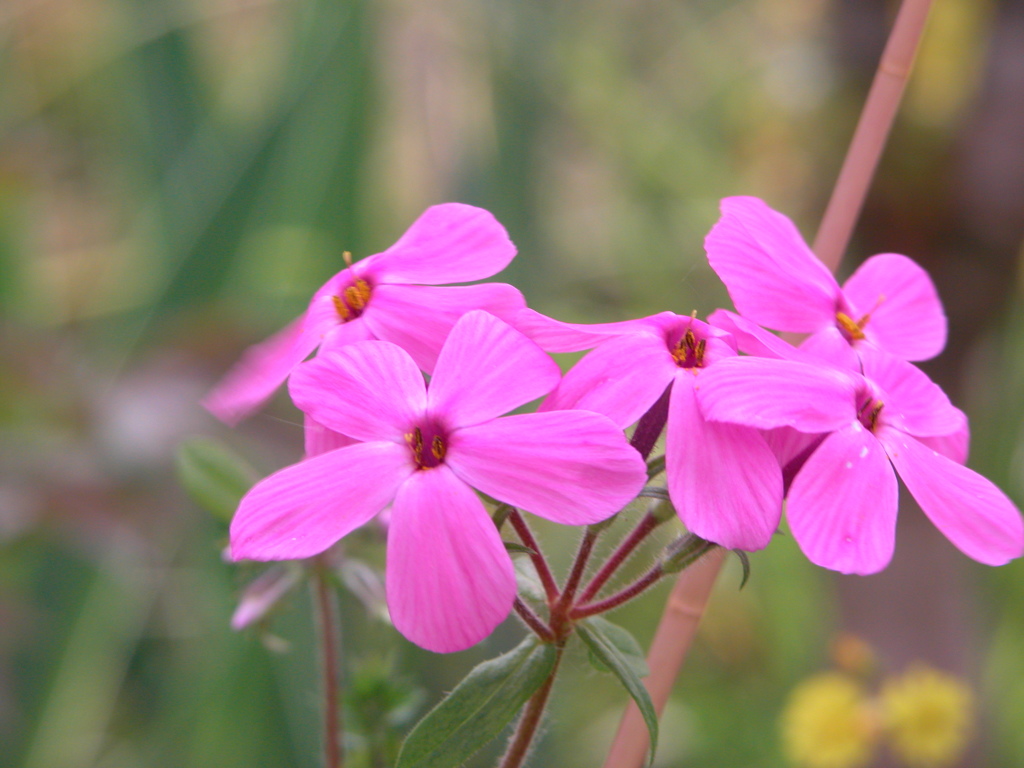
[(829, 722), (927, 716)]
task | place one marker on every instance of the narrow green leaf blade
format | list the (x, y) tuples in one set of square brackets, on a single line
[(626, 644), (606, 650), (213, 475), (479, 707)]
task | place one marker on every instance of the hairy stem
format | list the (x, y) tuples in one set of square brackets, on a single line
[(327, 628), (531, 718), (533, 621), (625, 595), (647, 524), (579, 565), (539, 561)]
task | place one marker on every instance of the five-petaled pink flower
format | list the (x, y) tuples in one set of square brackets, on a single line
[(395, 296), (423, 450), (842, 503), (723, 479), (775, 280)]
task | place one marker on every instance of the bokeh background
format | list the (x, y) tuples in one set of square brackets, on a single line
[(177, 176)]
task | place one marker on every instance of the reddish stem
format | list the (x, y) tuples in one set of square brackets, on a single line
[(614, 601), (519, 747), (327, 625), (578, 566), (643, 529), (539, 561), (533, 621)]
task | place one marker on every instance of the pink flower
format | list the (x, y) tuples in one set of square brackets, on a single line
[(394, 296), (423, 450), (842, 503), (775, 280), (724, 480)]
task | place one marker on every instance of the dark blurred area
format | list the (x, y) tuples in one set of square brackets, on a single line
[(177, 177)]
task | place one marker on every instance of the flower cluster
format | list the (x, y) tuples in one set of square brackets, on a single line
[(406, 403)]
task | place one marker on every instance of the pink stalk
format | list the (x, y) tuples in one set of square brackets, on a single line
[(690, 595), (872, 131)]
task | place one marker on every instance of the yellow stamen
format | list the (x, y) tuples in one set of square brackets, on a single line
[(357, 295), (875, 411), (347, 256), (437, 447), (415, 441), (341, 308), (850, 326)]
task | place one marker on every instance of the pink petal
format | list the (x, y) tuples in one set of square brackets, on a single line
[(487, 368), (622, 378), (341, 335), (418, 318), (842, 505), (449, 580), (907, 318), (723, 479), (755, 340), (261, 370), (764, 393), (912, 402), (969, 510), (955, 446), (771, 274), (788, 444), (449, 243), (830, 346), (555, 336), (573, 467), (303, 509), (319, 439), (371, 390)]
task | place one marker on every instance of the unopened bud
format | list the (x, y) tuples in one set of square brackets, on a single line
[(263, 593), (662, 511), (684, 552)]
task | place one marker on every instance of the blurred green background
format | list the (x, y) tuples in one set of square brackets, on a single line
[(177, 176)]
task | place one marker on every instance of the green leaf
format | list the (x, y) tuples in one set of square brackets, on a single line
[(215, 477), (606, 650), (624, 641), (479, 707)]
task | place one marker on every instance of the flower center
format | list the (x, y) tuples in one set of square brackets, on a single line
[(868, 412), (428, 446), (353, 300), (689, 352)]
